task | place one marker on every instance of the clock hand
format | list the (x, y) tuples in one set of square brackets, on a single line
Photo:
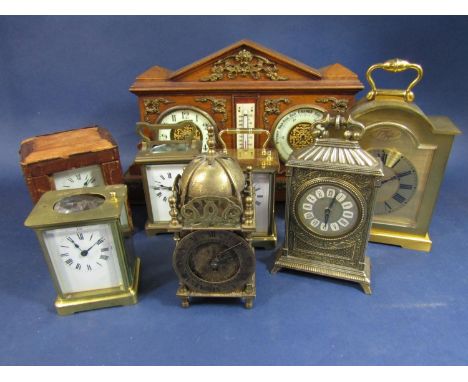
[(162, 187), (219, 257), (85, 252), (328, 210), (389, 179), (73, 242)]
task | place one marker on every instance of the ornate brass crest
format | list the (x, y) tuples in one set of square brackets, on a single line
[(152, 106), (211, 211), (244, 64)]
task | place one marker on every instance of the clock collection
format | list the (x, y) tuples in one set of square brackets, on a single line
[(222, 140)]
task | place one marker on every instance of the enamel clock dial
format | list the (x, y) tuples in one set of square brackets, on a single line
[(328, 210), (214, 261), (186, 113), (160, 180), (399, 183), (83, 258), (262, 201), (292, 130), (90, 176)]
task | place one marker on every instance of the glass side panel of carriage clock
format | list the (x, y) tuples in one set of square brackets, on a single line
[(160, 179), (406, 168), (198, 117), (245, 119), (261, 184), (84, 258), (82, 177)]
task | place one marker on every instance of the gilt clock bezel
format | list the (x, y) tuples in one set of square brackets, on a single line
[(352, 190)]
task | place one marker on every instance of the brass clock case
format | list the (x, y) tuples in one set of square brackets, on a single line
[(415, 150), (103, 205)]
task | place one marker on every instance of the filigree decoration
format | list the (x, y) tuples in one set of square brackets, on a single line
[(152, 106), (244, 64), (210, 211), (338, 105), (271, 107), (218, 105), (189, 130), (301, 135)]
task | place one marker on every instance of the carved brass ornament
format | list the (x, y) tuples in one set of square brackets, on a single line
[(301, 135), (218, 105), (272, 107), (338, 105), (210, 211), (188, 131), (244, 64), (152, 106)]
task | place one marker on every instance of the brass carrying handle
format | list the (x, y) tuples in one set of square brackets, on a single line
[(245, 131), (395, 65), (143, 127)]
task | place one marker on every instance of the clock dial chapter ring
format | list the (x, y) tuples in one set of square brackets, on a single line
[(291, 129), (329, 208), (214, 261), (201, 119), (399, 183)]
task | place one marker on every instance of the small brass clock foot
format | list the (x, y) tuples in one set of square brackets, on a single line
[(248, 303), (366, 288), (185, 302), (275, 269)]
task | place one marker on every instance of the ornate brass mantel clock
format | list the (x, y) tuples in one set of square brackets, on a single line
[(414, 149), (81, 233), (161, 161), (212, 219), (265, 164), (330, 196)]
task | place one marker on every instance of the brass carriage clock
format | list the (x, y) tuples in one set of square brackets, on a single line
[(81, 235), (161, 162), (265, 164), (212, 219), (414, 149), (330, 196)]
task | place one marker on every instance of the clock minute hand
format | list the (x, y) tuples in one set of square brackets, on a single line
[(328, 210), (85, 252), (219, 256)]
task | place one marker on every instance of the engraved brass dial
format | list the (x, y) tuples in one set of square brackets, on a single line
[(214, 261), (399, 183)]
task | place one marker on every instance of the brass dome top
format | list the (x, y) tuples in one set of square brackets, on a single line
[(212, 174)]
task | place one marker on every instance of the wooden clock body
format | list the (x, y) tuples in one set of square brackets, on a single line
[(243, 73), (45, 155)]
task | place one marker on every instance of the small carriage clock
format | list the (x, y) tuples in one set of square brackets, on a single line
[(86, 157), (330, 196), (161, 162), (212, 219), (81, 235), (265, 164), (414, 150)]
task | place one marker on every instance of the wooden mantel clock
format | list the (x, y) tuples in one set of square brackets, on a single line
[(243, 86)]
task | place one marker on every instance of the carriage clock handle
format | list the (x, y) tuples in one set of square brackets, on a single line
[(395, 65), (265, 151)]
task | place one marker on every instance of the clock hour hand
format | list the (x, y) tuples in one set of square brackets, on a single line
[(162, 188), (328, 210), (221, 256), (85, 252), (73, 242)]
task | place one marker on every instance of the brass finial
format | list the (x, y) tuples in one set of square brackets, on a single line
[(211, 141)]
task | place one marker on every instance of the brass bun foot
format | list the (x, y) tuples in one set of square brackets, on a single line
[(405, 240), (129, 297), (361, 277), (247, 294)]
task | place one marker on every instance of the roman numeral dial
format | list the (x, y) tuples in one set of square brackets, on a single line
[(399, 183)]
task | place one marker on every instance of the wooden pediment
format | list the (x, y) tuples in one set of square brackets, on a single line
[(245, 61), (246, 65)]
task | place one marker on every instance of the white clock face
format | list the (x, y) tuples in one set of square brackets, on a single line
[(328, 210), (180, 114), (160, 181), (82, 177), (84, 258), (261, 184), (293, 130), (399, 183)]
